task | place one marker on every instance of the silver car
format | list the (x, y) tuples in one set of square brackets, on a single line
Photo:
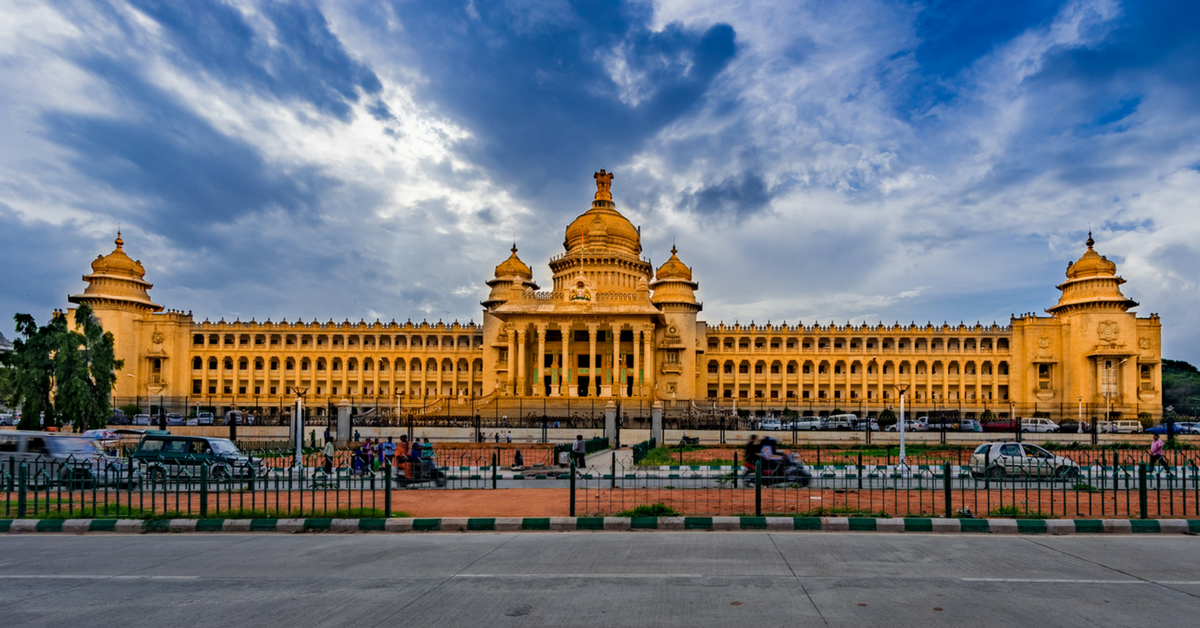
[(1000, 460)]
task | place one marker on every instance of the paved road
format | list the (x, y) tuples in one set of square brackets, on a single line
[(598, 579)]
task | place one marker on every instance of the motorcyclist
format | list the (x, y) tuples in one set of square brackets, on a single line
[(751, 451), (766, 453)]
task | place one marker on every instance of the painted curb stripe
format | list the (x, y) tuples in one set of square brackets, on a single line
[(1089, 526), (1031, 526), (210, 525), (156, 525), (806, 523), (103, 525), (1143, 526), (1193, 526), (263, 525), (917, 525), (862, 524), (643, 523), (323, 525), (50, 525), (5, 524), (697, 523), (589, 523), (754, 523), (481, 524), (427, 525), (372, 525), (535, 523), (974, 525)]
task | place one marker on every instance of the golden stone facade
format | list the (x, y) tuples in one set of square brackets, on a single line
[(612, 328)]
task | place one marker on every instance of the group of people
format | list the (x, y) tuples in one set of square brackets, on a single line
[(372, 454), (483, 437)]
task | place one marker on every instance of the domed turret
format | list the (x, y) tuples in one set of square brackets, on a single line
[(673, 283), (511, 273), (603, 228), (117, 281), (1092, 283)]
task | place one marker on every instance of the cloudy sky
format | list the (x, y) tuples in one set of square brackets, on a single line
[(814, 161)]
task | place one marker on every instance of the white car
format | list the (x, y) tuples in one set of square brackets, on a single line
[(141, 419), (805, 423), (204, 418), (1122, 427), (1038, 425), (1000, 460), (841, 421), (8, 419)]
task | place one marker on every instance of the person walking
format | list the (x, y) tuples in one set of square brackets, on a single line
[(1156, 455), (508, 437), (389, 452), (579, 450), (328, 457)]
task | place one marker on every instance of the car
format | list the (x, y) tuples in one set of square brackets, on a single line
[(1181, 427), (175, 419), (864, 425), (999, 425), (999, 460), (770, 424), (8, 419), (970, 425), (841, 421), (909, 426), (1073, 426), (162, 456), (62, 458), (949, 423), (1039, 425), (141, 419), (805, 423), (192, 422), (204, 418), (1126, 426)]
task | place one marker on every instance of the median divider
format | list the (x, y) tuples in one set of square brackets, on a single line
[(610, 524)]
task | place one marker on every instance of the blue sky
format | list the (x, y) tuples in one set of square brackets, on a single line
[(814, 161)]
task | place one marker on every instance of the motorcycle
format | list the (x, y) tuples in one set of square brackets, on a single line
[(788, 470)]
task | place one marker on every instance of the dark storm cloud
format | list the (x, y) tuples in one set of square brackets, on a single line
[(734, 198), (187, 175), (534, 88), (301, 60)]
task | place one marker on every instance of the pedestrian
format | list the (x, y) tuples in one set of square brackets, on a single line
[(509, 436), (327, 435), (328, 456), (1156, 454), (427, 453), (389, 451), (497, 437), (579, 450), (402, 457), (356, 437)]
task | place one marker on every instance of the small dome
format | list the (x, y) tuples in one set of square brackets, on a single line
[(673, 269), (514, 266), (118, 263), (1092, 264)]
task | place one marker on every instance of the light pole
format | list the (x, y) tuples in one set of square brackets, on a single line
[(1080, 421), (162, 417), (902, 389), (298, 425)]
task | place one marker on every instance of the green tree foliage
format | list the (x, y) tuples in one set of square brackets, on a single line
[(886, 418), (1181, 384), (62, 375)]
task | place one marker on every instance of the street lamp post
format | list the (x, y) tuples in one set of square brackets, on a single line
[(1080, 421), (162, 418), (298, 425), (901, 390)]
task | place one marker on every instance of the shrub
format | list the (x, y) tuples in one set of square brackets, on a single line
[(650, 510), (1146, 420), (887, 418)]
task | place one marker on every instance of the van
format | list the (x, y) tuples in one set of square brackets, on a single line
[(841, 421), (1128, 426), (162, 456), (1038, 425), (57, 458)]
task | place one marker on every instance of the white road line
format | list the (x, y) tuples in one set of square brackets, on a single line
[(635, 576), (92, 577), (1078, 581)]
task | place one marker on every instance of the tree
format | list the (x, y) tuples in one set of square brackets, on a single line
[(887, 418), (1181, 384), (62, 373)]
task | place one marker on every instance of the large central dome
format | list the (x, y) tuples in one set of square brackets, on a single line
[(603, 228)]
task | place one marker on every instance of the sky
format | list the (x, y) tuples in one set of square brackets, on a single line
[(857, 161)]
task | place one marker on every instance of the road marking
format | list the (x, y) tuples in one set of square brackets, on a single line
[(1078, 581), (92, 577), (647, 576)]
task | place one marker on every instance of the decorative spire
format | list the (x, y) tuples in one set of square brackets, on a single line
[(603, 183), (119, 242), (1090, 241), (514, 248)]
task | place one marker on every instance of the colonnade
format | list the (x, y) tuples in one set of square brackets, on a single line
[(606, 374)]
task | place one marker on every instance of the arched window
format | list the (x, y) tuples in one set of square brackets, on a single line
[(197, 363), (228, 364), (212, 364)]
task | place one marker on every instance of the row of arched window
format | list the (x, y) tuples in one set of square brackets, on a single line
[(399, 365)]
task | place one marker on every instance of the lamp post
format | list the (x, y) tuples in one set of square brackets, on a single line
[(1080, 421), (298, 425), (901, 390)]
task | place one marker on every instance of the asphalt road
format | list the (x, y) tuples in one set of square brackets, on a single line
[(690, 579)]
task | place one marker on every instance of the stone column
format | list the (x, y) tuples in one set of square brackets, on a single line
[(649, 339), (538, 384), (511, 385), (343, 423), (522, 339), (637, 363), (564, 378), (592, 361), (610, 423), (615, 375)]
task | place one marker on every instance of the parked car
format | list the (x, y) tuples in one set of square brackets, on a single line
[(805, 423), (1000, 460), (841, 421), (54, 458), (8, 419), (1038, 425), (936, 424), (909, 426), (1072, 426), (204, 418), (1127, 426), (770, 424), (970, 425), (141, 419), (160, 456), (866, 424), (999, 425), (1181, 427), (175, 419)]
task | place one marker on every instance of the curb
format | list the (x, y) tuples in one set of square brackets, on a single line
[(600, 524)]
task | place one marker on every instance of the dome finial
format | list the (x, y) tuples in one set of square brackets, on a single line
[(603, 183), (514, 248), (119, 242), (1090, 241)]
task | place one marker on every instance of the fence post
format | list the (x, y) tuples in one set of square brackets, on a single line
[(495, 463), (204, 490), (22, 480), (387, 485), (860, 466), (572, 486), (946, 475), (758, 488), (613, 486), (1116, 478), (736, 469), (1142, 501), (12, 474)]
